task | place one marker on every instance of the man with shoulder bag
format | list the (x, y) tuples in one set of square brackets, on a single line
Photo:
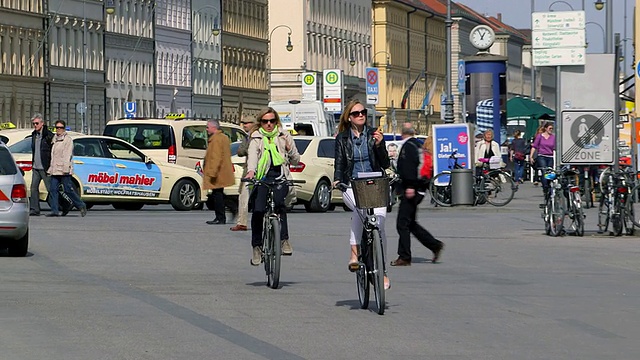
[(413, 187)]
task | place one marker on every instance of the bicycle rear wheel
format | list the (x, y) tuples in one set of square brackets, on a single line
[(557, 215), (603, 217), (498, 187), (441, 194), (378, 271), (588, 194), (272, 260)]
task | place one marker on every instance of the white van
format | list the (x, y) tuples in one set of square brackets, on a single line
[(306, 117)]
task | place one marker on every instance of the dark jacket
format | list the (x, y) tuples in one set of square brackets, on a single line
[(378, 156), (409, 166), (45, 147)]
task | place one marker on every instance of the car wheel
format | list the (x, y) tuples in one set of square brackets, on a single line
[(18, 248), (183, 195), (321, 197), (127, 206), (332, 207)]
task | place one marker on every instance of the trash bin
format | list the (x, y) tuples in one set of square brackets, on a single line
[(462, 187)]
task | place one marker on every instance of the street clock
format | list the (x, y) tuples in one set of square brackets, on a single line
[(482, 37)]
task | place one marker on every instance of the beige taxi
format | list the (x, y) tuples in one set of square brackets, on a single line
[(173, 139), (316, 168), (107, 170)]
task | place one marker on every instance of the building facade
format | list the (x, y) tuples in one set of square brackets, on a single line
[(23, 72), (244, 58), (129, 58), (206, 49), (325, 35)]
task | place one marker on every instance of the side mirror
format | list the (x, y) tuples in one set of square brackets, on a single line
[(147, 160)]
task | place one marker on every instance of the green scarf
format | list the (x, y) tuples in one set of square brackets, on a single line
[(269, 149)]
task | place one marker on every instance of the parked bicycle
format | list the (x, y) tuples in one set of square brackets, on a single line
[(271, 246), (616, 206), (563, 200), (494, 186), (370, 193)]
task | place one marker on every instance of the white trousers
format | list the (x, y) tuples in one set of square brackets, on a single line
[(356, 220)]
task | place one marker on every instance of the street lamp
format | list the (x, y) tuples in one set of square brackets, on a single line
[(110, 7), (289, 48), (599, 4), (375, 64), (604, 36), (448, 103)]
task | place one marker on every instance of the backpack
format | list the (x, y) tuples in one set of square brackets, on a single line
[(425, 166)]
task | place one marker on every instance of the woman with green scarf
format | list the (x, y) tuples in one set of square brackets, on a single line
[(271, 151)]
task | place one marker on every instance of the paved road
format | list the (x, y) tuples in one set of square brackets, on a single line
[(160, 284)]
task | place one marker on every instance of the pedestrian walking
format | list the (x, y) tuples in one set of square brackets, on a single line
[(243, 197), (61, 169), (544, 144), (517, 154), (414, 187), (218, 169), (41, 142)]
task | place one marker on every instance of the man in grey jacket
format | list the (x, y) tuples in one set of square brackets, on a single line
[(243, 198), (41, 141)]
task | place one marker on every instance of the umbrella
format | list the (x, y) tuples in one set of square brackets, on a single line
[(519, 108)]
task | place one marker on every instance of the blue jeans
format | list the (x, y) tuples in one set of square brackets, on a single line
[(541, 163), (518, 170), (68, 189)]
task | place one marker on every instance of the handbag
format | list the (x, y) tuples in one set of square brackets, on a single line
[(518, 155)]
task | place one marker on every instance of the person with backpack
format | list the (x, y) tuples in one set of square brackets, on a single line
[(410, 166)]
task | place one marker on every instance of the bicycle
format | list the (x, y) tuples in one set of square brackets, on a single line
[(616, 206), (370, 193), (563, 199), (271, 244), (494, 186)]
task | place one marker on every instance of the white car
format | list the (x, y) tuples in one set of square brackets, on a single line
[(107, 170), (14, 206)]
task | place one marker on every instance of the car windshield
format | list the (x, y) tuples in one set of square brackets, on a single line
[(21, 147), (301, 145), (7, 165)]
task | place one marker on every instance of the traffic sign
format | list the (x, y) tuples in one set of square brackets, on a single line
[(81, 107), (558, 38), (559, 56), (462, 75), (638, 68), (332, 90), (373, 88), (558, 20), (130, 108), (309, 86), (587, 137)]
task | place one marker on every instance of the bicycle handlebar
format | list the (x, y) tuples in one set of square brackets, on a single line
[(272, 183)]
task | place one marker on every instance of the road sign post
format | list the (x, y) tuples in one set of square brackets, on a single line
[(588, 137), (373, 88), (309, 86), (332, 91)]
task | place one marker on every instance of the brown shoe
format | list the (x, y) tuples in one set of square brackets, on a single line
[(238, 228), (401, 262)]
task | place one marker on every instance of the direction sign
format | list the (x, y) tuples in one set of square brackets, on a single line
[(309, 86), (332, 90), (587, 137), (462, 75), (560, 56), (558, 38), (373, 88), (558, 20)]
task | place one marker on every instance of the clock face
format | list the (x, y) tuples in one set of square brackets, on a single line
[(482, 37)]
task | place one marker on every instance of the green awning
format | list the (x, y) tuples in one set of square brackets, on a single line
[(519, 108)]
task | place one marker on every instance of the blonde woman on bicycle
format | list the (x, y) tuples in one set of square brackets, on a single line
[(359, 149), (271, 150)]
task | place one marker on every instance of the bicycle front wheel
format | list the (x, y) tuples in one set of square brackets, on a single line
[(441, 194), (498, 188), (557, 215), (361, 278), (275, 255), (378, 271)]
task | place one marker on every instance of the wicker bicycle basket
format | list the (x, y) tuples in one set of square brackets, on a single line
[(371, 193)]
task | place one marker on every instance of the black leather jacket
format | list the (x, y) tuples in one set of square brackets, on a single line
[(45, 147), (378, 156)]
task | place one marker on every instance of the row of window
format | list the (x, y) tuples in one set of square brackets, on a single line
[(19, 110), (342, 14), (173, 69), (138, 19), (20, 54), (245, 17), (137, 73), (67, 43), (173, 13), (34, 6)]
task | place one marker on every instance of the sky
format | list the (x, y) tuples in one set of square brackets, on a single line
[(517, 13)]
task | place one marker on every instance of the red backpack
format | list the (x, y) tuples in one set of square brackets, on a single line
[(426, 165)]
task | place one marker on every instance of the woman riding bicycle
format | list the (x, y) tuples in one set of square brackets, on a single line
[(359, 149), (271, 150)]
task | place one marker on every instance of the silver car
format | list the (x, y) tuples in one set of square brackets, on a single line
[(14, 206)]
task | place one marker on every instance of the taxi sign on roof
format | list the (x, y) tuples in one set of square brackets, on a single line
[(175, 116)]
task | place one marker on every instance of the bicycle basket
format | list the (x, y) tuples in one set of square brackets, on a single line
[(371, 193)]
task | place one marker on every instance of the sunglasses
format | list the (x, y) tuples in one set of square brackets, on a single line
[(59, 127), (362, 112), (270, 121), (36, 123)]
